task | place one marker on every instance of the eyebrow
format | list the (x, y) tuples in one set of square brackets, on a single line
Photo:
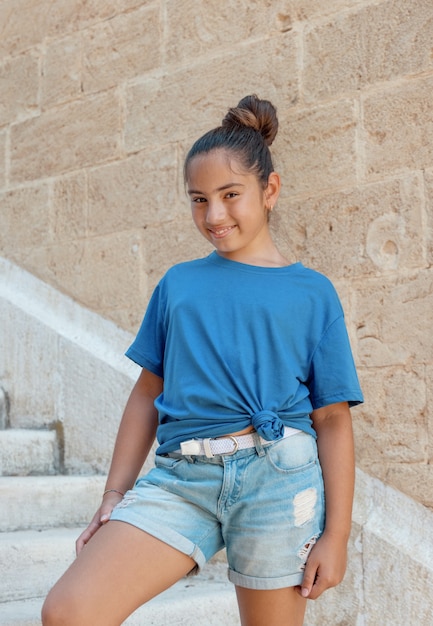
[(222, 188)]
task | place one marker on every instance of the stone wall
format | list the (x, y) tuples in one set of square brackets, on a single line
[(99, 100)]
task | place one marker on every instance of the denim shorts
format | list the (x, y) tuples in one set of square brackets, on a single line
[(264, 504)]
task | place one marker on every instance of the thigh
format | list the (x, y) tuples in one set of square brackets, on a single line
[(275, 607), (119, 569)]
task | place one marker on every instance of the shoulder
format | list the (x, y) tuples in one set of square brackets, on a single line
[(185, 270), (319, 288)]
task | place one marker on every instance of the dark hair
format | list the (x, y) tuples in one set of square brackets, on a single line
[(247, 131)]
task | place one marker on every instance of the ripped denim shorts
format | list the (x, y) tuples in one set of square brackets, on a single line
[(264, 504)]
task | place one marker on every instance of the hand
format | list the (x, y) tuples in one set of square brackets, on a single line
[(100, 518), (325, 567)]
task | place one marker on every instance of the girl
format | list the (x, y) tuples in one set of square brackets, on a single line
[(247, 381)]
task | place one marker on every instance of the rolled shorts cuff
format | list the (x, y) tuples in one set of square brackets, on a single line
[(166, 535), (253, 582)]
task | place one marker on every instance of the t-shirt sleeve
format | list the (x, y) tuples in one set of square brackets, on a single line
[(333, 376), (147, 349)]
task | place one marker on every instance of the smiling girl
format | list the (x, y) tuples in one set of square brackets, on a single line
[(246, 383)]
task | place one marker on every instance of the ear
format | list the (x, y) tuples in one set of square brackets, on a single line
[(272, 190)]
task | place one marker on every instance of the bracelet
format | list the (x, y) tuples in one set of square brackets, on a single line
[(114, 491)]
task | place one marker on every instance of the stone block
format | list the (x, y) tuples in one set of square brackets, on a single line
[(3, 143), (184, 104), (206, 26), (377, 43), (394, 320), (428, 226), (105, 273), (392, 426), (316, 147), (61, 71), (19, 85), (413, 479), (26, 368), (398, 127), (93, 397), (79, 134), (183, 241), (292, 11), (398, 577), (25, 219), (68, 207), (395, 545), (26, 23), (121, 48), (370, 229), (134, 193), (429, 380)]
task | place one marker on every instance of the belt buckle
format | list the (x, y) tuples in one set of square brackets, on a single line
[(235, 449)]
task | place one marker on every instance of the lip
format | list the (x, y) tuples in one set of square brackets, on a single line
[(220, 233)]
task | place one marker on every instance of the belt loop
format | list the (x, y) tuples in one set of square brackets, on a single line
[(258, 444)]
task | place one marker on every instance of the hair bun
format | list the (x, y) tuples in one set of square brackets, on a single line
[(252, 112)]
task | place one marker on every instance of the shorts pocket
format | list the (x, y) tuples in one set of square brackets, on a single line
[(167, 462), (293, 454)]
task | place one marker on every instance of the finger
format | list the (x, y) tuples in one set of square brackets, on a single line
[(85, 536), (310, 576)]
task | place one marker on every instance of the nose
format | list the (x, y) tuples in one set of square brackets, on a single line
[(215, 213)]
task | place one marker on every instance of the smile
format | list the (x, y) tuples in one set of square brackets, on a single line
[(221, 232)]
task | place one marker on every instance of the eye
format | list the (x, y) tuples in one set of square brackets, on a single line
[(198, 200), (231, 194)]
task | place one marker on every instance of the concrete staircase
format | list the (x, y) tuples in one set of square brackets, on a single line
[(42, 513)]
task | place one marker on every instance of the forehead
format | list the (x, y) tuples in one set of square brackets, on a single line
[(217, 164)]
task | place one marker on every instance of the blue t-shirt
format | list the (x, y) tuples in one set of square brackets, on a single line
[(238, 344)]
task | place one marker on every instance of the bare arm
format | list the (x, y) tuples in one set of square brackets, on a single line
[(134, 440), (327, 561)]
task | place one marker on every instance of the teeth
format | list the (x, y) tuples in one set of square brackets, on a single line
[(222, 230)]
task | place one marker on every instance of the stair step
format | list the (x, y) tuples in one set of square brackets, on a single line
[(208, 598), (35, 560), (40, 502), (24, 452)]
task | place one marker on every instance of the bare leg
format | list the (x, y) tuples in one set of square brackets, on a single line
[(119, 569), (276, 607)]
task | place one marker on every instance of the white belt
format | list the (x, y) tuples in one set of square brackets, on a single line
[(227, 445)]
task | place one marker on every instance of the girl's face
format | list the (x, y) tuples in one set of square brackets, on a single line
[(229, 206)]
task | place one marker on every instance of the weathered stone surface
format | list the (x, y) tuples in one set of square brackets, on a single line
[(302, 10), (24, 219), (398, 127), (376, 43), (134, 193), (316, 148), (121, 48), (359, 232), (428, 216), (196, 29), (182, 104), (394, 320), (77, 135), (19, 85), (392, 426), (183, 241), (61, 71), (83, 264), (30, 350), (68, 207), (3, 140), (26, 23)]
